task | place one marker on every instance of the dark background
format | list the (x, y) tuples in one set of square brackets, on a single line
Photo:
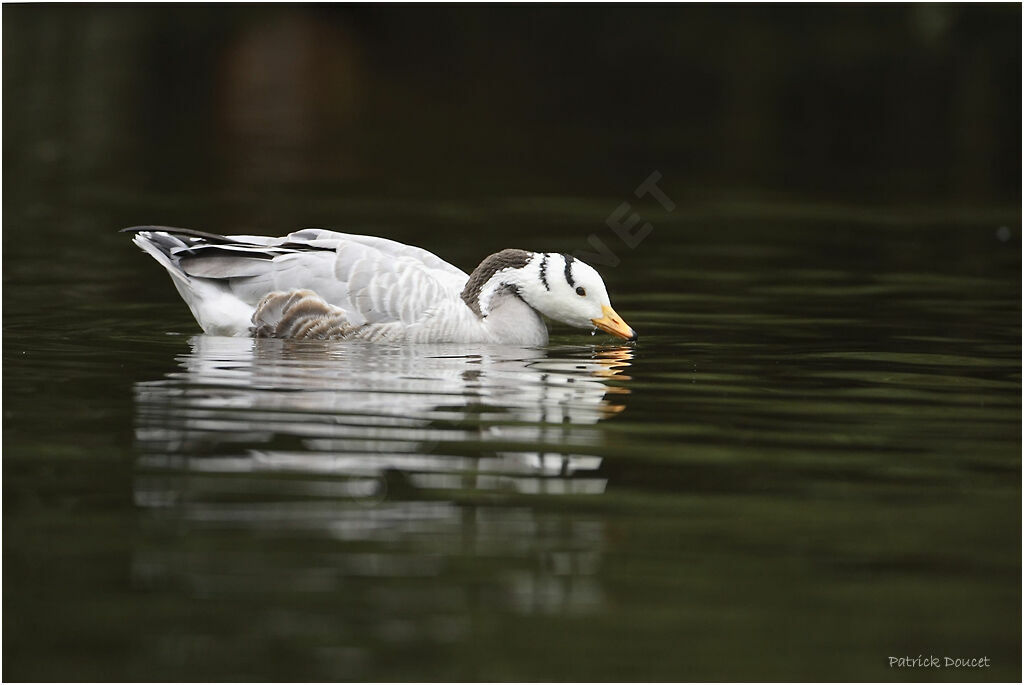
[(869, 105)]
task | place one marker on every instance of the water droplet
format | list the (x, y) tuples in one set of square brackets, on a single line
[(1003, 234)]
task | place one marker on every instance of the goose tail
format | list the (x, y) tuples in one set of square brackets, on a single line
[(211, 302)]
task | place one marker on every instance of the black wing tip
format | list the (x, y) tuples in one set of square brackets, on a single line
[(166, 229), (212, 237)]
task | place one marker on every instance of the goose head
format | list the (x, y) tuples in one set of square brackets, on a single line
[(558, 286)]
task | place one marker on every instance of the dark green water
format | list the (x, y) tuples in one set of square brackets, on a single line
[(810, 462)]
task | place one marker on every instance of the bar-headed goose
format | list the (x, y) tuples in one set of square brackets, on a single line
[(326, 285)]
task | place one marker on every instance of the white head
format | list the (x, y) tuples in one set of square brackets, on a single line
[(558, 286)]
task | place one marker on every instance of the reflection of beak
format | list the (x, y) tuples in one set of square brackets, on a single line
[(614, 355), (613, 360), (613, 323)]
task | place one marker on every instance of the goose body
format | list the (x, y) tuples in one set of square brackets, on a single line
[(326, 285)]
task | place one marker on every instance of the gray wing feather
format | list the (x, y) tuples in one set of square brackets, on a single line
[(319, 237), (222, 267), (373, 280), (384, 288)]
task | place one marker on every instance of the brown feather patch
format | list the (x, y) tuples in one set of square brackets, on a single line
[(299, 314), (506, 259)]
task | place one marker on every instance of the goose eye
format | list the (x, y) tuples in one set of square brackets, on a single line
[(581, 292)]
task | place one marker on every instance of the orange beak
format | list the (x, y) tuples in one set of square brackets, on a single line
[(612, 323)]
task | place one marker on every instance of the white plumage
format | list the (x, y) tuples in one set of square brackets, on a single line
[(322, 284)]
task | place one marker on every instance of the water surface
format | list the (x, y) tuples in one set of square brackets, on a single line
[(809, 463)]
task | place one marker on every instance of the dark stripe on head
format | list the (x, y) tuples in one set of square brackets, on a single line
[(568, 269), (544, 272), (499, 261)]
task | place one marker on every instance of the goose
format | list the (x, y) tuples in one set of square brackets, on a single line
[(321, 284)]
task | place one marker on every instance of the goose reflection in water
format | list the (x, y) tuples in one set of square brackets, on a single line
[(391, 447)]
